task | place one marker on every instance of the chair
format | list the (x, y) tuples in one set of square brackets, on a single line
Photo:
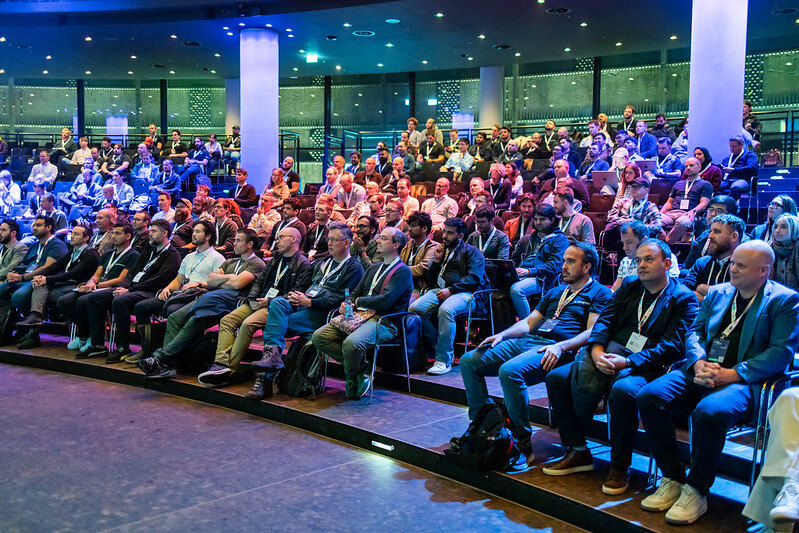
[(507, 215), (601, 203), (306, 216), (662, 188), (491, 274)]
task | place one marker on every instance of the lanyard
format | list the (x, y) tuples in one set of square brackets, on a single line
[(3, 253), (327, 273), (638, 209), (564, 222), (566, 300), (688, 186), (661, 163), (238, 190), (447, 260), (548, 140), (348, 197), (379, 274), (733, 161), (416, 251), (241, 262), (480, 237), (114, 259), (429, 148), (521, 226), (279, 228), (216, 227), (736, 319), (642, 319), (40, 251), (97, 238), (279, 275), (198, 263), (72, 259), (320, 230), (588, 170), (153, 258), (722, 263)]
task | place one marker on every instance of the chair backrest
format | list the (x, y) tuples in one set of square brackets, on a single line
[(312, 188), (507, 215), (306, 216), (307, 200), (601, 203), (418, 189), (599, 220)]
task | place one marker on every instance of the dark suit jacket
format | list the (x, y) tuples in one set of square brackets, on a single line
[(396, 295), (321, 246), (769, 334), (181, 234), (247, 196), (501, 193)]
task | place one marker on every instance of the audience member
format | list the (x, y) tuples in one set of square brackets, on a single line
[(499, 186), (726, 233), (493, 243), (688, 197), (440, 207), (420, 250), (633, 233), (523, 225), (292, 178), (779, 205), (710, 172), (738, 168), (645, 142), (244, 194), (786, 251), (291, 207)]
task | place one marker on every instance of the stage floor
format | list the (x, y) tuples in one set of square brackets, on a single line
[(78, 454)]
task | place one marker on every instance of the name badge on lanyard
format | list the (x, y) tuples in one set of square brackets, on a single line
[(441, 283), (720, 345), (637, 341)]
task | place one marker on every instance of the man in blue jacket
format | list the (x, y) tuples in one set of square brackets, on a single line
[(738, 168), (646, 143), (457, 270), (538, 258), (747, 331), (386, 288)]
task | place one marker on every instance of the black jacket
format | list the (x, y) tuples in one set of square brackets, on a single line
[(297, 278), (396, 295), (331, 294), (79, 271), (465, 272), (159, 275)]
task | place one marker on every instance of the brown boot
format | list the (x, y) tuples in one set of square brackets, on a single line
[(617, 481), (262, 388), (272, 359), (573, 461)]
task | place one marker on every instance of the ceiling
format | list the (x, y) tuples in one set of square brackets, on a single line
[(420, 41)]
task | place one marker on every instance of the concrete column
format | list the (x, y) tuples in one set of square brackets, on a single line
[(492, 95), (232, 104), (718, 57), (258, 73)]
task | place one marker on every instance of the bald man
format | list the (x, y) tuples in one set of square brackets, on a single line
[(287, 270), (746, 332)]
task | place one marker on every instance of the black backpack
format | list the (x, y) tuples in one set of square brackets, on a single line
[(302, 374), (488, 443), (199, 355)]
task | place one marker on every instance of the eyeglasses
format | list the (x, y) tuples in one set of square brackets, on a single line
[(334, 239), (716, 210), (775, 204)]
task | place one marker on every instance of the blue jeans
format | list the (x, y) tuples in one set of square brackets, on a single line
[(234, 156), (518, 365), (519, 292), (351, 350), (713, 412), (186, 171), (283, 318), (21, 299), (444, 336), (735, 187)]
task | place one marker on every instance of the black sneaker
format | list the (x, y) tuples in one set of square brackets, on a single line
[(522, 462), (161, 371), (94, 351), (30, 340), (33, 320), (117, 355), (216, 375), (148, 365)]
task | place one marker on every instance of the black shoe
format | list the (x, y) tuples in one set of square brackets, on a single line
[(117, 355), (262, 388), (31, 340), (94, 351), (272, 359), (33, 320), (158, 369), (148, 365), (216, 375)]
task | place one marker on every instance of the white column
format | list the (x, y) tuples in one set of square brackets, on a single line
[(258, 73), (232, 103), (718, 57), (492, 95)]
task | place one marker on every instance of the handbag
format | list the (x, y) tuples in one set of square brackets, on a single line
[(359, 316)]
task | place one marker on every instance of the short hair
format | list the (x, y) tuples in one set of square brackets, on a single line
[(664, 140), (127, 229), (565, 195), (485, 212), (87, 229), (163, 225), (146, 214), (208, 229), (83, 139), (487, 195), (326, 200), (506, 128), (164, 193), (373, 223), (664, 248), (500, 167), (729, 203), (43, 152), (356, 152), (456, 223), (406, 180), (250, 235), (292, 202), (737, 138), (396, 203), (413, 121), (345, 230), (397, 236), (12, 225), (464, 140), (748, 103), (639, 229), (244, 171), (594, 122), (481, 133), (630, 107), (48, 221), (545, 210), (204, 187), (176, 131), (733, 222), (660, 115), (525, 197), (380, 198), (590, 255), (107, 138), (421, 219), (50, 197), (118, 145)]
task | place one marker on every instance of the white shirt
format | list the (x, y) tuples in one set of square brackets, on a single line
[(196, 266), (169, 216)]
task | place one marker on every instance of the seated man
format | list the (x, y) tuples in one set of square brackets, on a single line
[(393, 176), (560, 171), (738, 168), (287, 271), (243, 193), (111, 273), (726, 233), (331, 185), (523, 354), (409, 203), (76, 155), (141, 231), (575, 226), (57, 280), (635, 340), (518, 227), (480, 150), (165, 211), (371, 207), (368, 174), (393, 218), (145, 172), (35, 200), (183, 225), (225, 285), (633, 234), (265, 217), (440, 207), (430, 151), (301, 313), (592, 162), (224, 228), (101, 239), (83, 194), (538, 258), (44, 171), (232, 147), (364, 242), (47, 208), (465, 199), (385, 288), (12, 252), (512, 155), (123, 193), (291, 207), (151, 273), (420, 250), (176, 148), (689, 196), (636, 207), (667, 164), (117, 161), (168, 181), (350, 193), (315, 246), (719, 205), (356, 165), (646, 143), (196, 162), (15, 292), (493, 243), (458, 269), (499, 187), (65, 145), (460, 161), (747, 332)]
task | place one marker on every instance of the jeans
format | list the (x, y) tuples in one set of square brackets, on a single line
[(231, 347), (283, 318), (234, 156), (573, 409), (191, 170), (713, 412), (351, 350), (7, 293), (21, 299), (519, 292), (734, 187), (518, 365), (442, 338)]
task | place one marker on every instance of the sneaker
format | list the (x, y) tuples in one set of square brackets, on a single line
[(688, 508), (786, 504), (86, 346), (76, 344), (117, 355), (136, 357), (91, 352), (364, 384), (572, 462), (216, 375), (350, 388), (522, 462), (148, 365), (664, 497), (159, 370), (439, 369), (272, 359), (617, 481), (262, 388), (30, 340), (33, 320)]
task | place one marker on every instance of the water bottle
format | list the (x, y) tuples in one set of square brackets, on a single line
[(349, 307)]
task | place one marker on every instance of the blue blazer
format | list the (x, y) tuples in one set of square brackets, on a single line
[(649, 146), (769, 336)]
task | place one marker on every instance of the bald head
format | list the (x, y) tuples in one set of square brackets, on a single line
[(288, 241), (750, 266), (692, 167)]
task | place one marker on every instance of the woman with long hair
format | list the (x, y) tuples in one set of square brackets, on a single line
[(786, 251), (277, 186), (779, 205), (710, 172)]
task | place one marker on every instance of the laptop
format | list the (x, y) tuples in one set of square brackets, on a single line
[(605, 177), (646, 165), (506, 273)]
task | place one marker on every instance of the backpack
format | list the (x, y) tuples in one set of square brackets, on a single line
[(301, 375), (488, 443), (199, 355)]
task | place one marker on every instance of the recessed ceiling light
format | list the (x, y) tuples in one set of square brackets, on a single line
[(673, 37), (174, 36), (583, 24), (567, 49), (470, 58), (87, 38), (242, 24), (225, 28), (293, 78), (44, 72), (674, 75), (481, 36), (797, 21), (213, 71), (295, 69), (48, 57), (311, 57), (216, 55), (88, 72), (392, 21), (439, 15), (541, 1), (290, 35), (618, 43), (268, 25), (788, 64), (360, 94), (302, 51), (230, 33), (347, 25), (631, 79), (289, 30), (363, 33), (380, 64), (424, 62), (130, 72), (2, 71), (517, 54), (338, 67), (3, 39), (133, 57), (171, 71), (389, 45)]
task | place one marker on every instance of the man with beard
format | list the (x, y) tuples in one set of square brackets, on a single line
[(420, 250), (141, 231), (182, 225), (726, 232), (364, 245), (12, 252)]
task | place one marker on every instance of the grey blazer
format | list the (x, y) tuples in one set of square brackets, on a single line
[(11, 258)]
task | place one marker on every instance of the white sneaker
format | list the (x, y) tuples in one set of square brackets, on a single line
[(439, 368), (662, 499), (85, 348), (688, 508), (786, 504), (75, 344)]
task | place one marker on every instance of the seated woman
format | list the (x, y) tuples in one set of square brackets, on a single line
[(786, 251), (277, 187), (710, 172), (619, 164), (513, 175), (780, 205)]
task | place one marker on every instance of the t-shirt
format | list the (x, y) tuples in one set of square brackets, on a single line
[(291, 178), (573, 319), (124, 262), (195, 267), (54, 248), (237, 265), (698, 189), (731, 357), (623, 332)]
